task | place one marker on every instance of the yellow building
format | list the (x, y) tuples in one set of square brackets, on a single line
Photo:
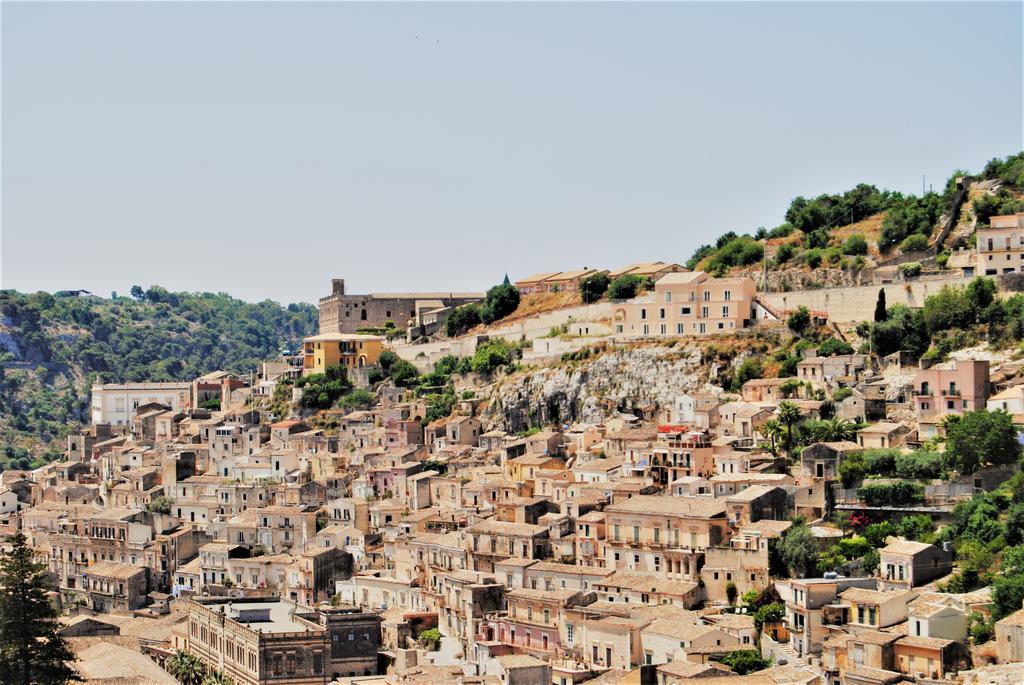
[(347, 349)]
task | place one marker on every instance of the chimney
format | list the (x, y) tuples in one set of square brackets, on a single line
[(337, 286)]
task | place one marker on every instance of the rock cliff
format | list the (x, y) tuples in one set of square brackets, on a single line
[(638, 380)]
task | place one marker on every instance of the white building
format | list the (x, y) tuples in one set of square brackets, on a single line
[(1011, 401), (115, 403)]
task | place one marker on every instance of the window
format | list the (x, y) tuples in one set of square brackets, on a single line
[(707, 295), (643, 314), (661, 313), (685, 311), (728, 295)]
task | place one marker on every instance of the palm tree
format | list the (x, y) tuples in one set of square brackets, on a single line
[(788, 415), (772, 430), (836, 430), (217, 678), (186, 668)]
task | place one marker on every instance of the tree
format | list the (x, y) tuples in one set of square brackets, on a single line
[(138, 293), (799, 320), (744, 661), (594, 287), (160, 505), (730, 592), (834, 346), (217, 678), (31, 650), (1007, 595), (768, 613), (799, 550), (773, 430), (501, 301), (186, 667), (975, 438), (880, 311), (462, 319), (788, 415), (855, 245), (626, 286)]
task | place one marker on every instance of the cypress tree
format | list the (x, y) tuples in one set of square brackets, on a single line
[(32, 652), (880, 313)]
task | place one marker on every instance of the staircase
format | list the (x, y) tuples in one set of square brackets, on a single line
[(786, 649)]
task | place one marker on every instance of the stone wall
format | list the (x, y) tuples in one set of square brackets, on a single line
[(848, 305)]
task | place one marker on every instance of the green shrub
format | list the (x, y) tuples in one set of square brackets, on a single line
[(855, 245), (834, 346), (812, 257), (897, 494), (914, 243), (627, 286), (910, 269)]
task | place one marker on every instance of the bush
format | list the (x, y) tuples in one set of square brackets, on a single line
[(626, 286), (744, 661), (910, 269), (917, 242), (834, 346), (908, 216), (501, 300), (920, 465), (490, 355), (812, 257), (739, 251), (898, 494), (593, 288), (785, 253), (799, 320), (462, 319), (855, 245), (841, 394)]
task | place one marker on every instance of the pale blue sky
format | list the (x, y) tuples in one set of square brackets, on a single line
[(262, 149)]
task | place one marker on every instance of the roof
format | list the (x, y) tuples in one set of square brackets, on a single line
[(928, 642), (682, 278), (493, 526), (866, 596), (572, 569), (655, 584), (114, 569), (908, 547), (1014, 393), (703, 507), (1014, 619), (343, 337), (882, 427), (105, 660), (680, 630)]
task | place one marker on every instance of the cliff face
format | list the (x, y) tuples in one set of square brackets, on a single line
[(640, 381)]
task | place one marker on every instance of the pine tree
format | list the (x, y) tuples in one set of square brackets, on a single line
[(880, 313), (32, 652)]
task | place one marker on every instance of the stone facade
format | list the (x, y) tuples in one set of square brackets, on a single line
[(344, 313)]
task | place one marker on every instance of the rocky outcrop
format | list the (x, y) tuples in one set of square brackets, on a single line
[(784, 280), (639, 380)]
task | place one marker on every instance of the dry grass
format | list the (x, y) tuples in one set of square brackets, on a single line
[(540, 303), (870, 228)]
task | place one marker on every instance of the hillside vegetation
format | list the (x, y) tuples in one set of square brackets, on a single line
[(853, 229), (54, 347)]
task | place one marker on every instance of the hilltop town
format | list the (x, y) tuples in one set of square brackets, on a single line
[(794, 459)]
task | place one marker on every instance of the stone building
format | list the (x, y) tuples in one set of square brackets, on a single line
[(345, 313), (261, 640)]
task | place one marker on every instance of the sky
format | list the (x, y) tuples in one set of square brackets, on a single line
[(262, 149)]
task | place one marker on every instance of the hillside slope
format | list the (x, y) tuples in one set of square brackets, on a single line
[(54, 347)]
